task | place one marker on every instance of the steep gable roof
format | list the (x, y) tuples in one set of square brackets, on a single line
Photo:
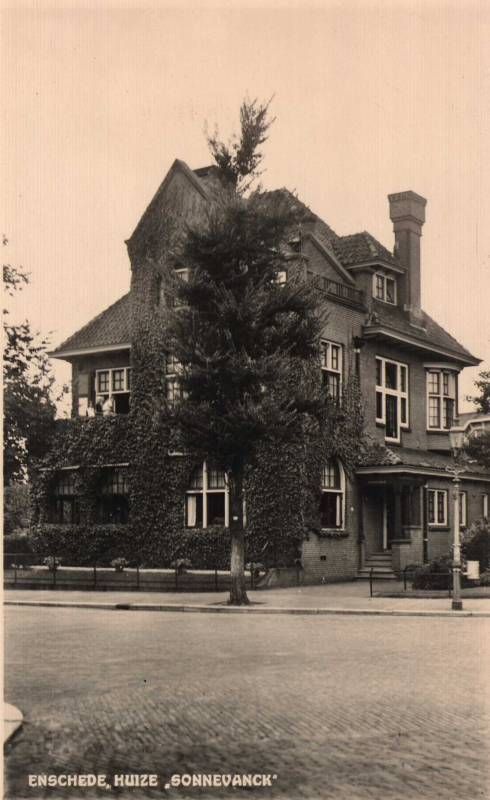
[(110, 328)]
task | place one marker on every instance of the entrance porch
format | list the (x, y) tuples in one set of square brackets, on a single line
[(393, 530)]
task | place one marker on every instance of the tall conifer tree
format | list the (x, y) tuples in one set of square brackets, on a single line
[(241, 331)]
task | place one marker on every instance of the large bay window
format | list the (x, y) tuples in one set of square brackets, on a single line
[(207, 499), (333, 494), (441, 399), (113, 387), (384, 288), (437, 507), (391, 397), (331, 364)]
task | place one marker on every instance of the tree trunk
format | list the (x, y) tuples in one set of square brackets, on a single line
[(238, 593)]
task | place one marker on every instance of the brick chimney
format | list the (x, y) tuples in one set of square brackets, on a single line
[(407, 212)]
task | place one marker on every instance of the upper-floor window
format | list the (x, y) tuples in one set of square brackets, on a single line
[(184, 274), (160, 291), (112, 390), (441, 399), (174, 391), (207, 498), (391, 396), (281, 277), (333, 493), (331, 364), (384, 288)]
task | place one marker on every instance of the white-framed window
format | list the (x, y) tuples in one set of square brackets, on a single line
[(437, 507), (331, 364), (384, 288), (174, 392), (332, 503), (484, 504), (113, 384), (281, 277), (441, 399), (207, 500), (463, 509), (392, 408)]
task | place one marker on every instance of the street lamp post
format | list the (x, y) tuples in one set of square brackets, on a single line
[(456, 438)]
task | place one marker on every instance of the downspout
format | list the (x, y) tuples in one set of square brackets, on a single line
[(425, 525)]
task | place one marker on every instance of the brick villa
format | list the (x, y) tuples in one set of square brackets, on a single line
[(394, 511)]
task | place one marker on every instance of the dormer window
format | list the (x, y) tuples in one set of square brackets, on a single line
[(384, 288)]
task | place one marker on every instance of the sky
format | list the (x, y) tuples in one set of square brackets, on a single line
[(370, 98)]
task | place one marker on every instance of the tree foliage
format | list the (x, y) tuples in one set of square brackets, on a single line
[(478, 445), (240, 159), (478, 448), (29, 406), (242, 336), (482, 399)]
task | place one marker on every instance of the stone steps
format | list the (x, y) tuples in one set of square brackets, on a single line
[(381, 566)]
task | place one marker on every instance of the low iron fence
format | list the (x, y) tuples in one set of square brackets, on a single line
[(29, 571)]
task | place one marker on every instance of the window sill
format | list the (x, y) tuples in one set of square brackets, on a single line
[(332, 533), (439, 527), (438, 431)]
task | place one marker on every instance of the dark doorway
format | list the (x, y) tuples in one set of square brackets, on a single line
[(389, 517)]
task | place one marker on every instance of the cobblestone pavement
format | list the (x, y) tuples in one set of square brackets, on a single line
[(352, 708)]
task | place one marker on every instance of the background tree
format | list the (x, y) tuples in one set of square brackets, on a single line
[(243, 337), (29, 407), (482, 399), (478, 446)]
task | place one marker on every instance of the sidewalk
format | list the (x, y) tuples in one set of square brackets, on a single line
[(336, 598)]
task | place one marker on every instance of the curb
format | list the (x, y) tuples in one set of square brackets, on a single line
[(199, 609), (12, 721)]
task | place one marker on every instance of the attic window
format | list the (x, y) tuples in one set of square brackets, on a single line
[(384, 288)]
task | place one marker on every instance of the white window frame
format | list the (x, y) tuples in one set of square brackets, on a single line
[(340, 492), (484, 499), (327, 349), (437, 523), (441, 396), (281, 277), (384, 391), (384, 279), (463, 509), (110, 371), (205, 491)]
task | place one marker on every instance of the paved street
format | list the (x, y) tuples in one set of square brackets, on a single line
[(337, 707)]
